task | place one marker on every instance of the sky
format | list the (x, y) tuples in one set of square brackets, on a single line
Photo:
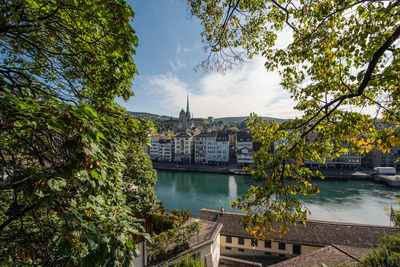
[(169, 50)]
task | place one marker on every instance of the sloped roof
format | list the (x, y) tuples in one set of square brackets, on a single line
[(222, 136), (165, 141), (182, 134), (314, 233), (334, 255), (206, 134)]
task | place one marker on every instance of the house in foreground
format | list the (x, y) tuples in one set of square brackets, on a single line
[(312, 244), (223, 241)]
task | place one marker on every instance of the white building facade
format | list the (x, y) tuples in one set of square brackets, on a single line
[(153, 149), (244, 140), (244, 156), (183, 148), (217, 150), (165, 150)]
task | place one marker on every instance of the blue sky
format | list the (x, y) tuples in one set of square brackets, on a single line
[(170, 48)]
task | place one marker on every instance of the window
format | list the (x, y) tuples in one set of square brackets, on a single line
[(281, 256), (241, 241), (282, 246), (228, 239), (228, 248), (241, 250), (296, 249), (254, 243), (267, 244), (267, 253)]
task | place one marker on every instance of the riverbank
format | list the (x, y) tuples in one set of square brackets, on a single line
[(233, 169), (330, 174)]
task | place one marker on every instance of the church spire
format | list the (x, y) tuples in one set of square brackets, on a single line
[(187, 106)]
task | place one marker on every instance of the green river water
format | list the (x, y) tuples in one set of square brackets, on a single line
[(341, 201)]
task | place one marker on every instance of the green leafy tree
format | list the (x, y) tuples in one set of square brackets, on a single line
[(75, 182), (396, 219), (342, 58), (189, 262), (386, 254)]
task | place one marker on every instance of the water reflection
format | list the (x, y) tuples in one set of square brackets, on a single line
[(346, 201), (232, 187)]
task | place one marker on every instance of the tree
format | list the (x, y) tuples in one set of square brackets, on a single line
[(189, 262), (75, 181), (342, 58), (386, 254), (396, 218)]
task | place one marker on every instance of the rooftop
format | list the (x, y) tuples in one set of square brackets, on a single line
[(315, 233), (334, 255)]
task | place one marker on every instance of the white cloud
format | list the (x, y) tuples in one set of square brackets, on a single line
[(177, 65), (236, 93), (182, 50)]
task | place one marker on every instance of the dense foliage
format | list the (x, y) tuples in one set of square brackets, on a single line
[(165, 222), (340, 65), (75, 181), (189, 262), (174, 231), (386, 254)]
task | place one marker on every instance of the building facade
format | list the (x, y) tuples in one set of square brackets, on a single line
[(244, 140), (376, 158), (200, 146), (217, 148), (244, 156), (153, 149), (166, 150), (183, 148), (300, 239)]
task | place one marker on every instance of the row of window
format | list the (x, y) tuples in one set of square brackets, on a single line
[(254, 243), (266, 252)]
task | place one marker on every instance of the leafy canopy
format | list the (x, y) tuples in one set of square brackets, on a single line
[(386, 254), (75, 181), (341, 63)]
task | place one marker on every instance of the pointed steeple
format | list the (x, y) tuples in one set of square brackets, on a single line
[(187, 106)]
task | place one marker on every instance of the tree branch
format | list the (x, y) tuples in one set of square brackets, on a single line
[(15, 217)]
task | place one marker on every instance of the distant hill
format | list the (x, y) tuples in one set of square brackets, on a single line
[(240, 119), (236, 120), (149, 116)]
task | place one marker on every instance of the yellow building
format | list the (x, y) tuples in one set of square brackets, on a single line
[(300, 240)]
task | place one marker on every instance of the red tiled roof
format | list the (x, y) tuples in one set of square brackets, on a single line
[(333, 255)]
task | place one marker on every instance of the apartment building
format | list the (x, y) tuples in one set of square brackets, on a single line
[(244, 156), (217, 148), (183, 148), (244, 139), (165, 150), (200, 146), (153, 149), (376, 158)]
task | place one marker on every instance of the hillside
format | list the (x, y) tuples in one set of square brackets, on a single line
[(149, 116), (232, 120), (241, 119)]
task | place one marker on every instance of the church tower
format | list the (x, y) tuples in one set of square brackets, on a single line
[(187, 107)]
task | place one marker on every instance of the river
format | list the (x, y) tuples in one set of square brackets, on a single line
[(340, 201)]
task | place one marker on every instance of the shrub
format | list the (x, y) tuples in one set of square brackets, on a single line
[(185, 215), (172, 242), (189, 262), (176, 212), (165, 222), (386, 254)]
